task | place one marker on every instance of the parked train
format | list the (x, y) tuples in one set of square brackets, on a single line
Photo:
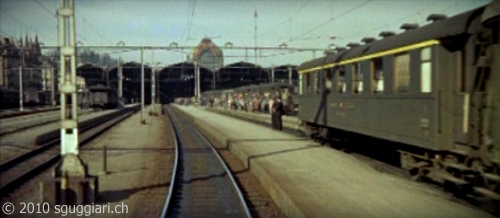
[(10, 98), (434, 89), (253, 98), (97, 97)]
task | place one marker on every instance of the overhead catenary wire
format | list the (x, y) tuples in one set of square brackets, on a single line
[(84, 20), (22, 23), (289, 19), (400, 20), (46, 9), (328, 21), (55, 16), (91, 26), (190, 21)]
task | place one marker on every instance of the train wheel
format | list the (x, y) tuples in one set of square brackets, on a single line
[(415, 166), (417, 174)]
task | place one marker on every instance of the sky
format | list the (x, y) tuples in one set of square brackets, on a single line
[(297, 23)]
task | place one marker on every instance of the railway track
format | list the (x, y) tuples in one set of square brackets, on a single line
[(15, 112), (19, 169), (19, 123), (201, 185)]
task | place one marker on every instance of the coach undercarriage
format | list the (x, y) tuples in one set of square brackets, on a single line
[(463, 173)]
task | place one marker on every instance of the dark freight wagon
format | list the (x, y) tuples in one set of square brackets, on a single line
[(102, 97)]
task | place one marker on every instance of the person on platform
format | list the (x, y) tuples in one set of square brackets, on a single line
[(277, 112)]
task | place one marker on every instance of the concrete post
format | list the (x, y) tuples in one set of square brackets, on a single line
[(195, 77), (72, 184), (289, 74), (272, 74), (213, 79), (143, 121), (21, 91), (52, 87), (120, 84), (198, 94), (153, 89)]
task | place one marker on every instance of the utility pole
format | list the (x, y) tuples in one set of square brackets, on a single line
[(21, 87), (255, 35), (197, 81), (143, 121), (72, 184), (272, 74), (52, 86), (289, 74), (153, 81), (213, 78), (21, 91), (120, 82)]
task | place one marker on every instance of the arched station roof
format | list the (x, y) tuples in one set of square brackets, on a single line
[(240, 74), (281, 73), (131, 71), (182, 70), (92, 74)]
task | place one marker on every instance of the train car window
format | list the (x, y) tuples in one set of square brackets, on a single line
[(402, 72), (342, 82), (357, 81), (425, 70), (461, 71), (300, 86), (316, 81), (328, 78), (307, 82), (284, 95), (377, 73)]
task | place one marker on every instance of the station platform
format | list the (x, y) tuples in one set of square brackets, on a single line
[(289, 122), (306, 179)]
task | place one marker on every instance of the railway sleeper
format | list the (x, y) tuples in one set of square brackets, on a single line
[(440, 175), (487, 193), (457, 166), (491, 177)]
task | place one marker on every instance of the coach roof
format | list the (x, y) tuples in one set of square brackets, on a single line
[(453, 26)]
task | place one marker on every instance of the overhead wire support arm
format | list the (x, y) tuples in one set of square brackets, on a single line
[(149, 47)]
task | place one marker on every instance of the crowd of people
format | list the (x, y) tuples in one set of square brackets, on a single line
[(266, 102)]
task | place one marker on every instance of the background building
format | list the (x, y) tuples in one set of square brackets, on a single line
[(208, 55)]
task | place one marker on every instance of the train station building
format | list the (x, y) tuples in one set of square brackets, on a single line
[(208, 54)]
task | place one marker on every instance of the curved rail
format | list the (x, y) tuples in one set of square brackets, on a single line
[(174, 171), (227, 171), (223, 163)]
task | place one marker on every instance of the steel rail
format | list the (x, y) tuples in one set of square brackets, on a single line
[(174, 170), (16, 113), (15, 182), (45, 122), (219, 158), (229, 173), (86, 125)]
